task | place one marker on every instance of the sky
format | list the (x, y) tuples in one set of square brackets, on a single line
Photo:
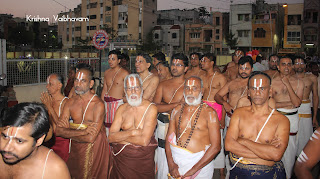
[(48, 8)]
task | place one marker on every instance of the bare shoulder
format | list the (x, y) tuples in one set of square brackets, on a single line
[(280, 117), (207, 109), (55, 165), (154, 77), (98, 102), (123, 72), (176, 111), (242, 111), (312, 77)]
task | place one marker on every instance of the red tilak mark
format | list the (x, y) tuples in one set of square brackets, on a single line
[(11, 131)]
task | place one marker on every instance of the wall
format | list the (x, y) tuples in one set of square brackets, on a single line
[(29, 93)]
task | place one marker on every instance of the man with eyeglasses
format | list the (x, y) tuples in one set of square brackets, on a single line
[(112, 93), (169, 94), (273, 62), (287, 92), (150, 81), (258, 135), (131, 134), (306, 120), (195, 69), (236, 89), (232, 68)]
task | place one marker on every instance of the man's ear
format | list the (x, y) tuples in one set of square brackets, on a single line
[(186, 69), (40, 140), (148, 64), (91, 83)]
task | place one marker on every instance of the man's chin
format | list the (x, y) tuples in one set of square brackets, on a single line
[(10, 162)]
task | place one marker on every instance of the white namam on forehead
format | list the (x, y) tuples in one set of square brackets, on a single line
[(244, 66), (175, 61), (48, 79), (193, 56), (191, 83), (11, 136), (80, 76), (133, 82), (257, 86)]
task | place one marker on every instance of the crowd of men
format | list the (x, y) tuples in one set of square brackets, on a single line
[(180, 119)]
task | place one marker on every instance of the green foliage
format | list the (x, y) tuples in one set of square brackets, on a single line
[(231, 41)]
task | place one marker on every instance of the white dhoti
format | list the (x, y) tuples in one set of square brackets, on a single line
[(305, 124), (289, 155), (160, 155), (186, 159), (219, 161), (227, 161)]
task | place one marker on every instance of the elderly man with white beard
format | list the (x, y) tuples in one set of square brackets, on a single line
[(193, 138), (131, 134)]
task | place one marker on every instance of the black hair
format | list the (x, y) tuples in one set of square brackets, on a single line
[(195, 53), (88, 68), (246, 59), (165, 64), (28, 113), (292, 60), (273, 55), (159, 56), (60, 78), (124, 56), (300, 57), (259, 73), (182, 57), (146, 56), (115, 52), (258, 58), (211, 57)]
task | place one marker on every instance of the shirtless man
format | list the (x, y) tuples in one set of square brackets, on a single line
[(258, 135), (23, 130), (163, 71), (305, 117), (169, 95), (193, 138), (237, 90), (157, 58), (213, 82), (273, 69), (131, 134), (195, 69), (309, 157), (232, 68), (54, 101), (87, 134), (124, 61), (112, 92), (287, 92), (150, 81)]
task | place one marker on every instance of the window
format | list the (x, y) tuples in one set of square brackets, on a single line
[(217, 31), (315, 17), (260, 33), (108, 8), (108, 18), (101, 4), (217, 37), (174, 35), (194, 35), (294, 19), (156, 36), (123, 15), (243, 17), (101, 16), (293, 36), (217, 20), (93, 27), (139, 23), (243, 33), (92, 16), (122, 26), (78, 28), (92, 5), (67, 38)]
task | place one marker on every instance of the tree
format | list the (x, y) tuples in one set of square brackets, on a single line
[(203, 12), (149, 45), (232, 41)]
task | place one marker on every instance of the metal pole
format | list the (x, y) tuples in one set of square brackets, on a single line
[(100, 64), (271, 30)]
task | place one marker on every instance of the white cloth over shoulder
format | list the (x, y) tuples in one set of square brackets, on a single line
[(186, 160)]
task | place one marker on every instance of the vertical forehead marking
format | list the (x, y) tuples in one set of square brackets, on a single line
[(191, 82), (175, 61), (48, 79), (15, 135), (133, 82)]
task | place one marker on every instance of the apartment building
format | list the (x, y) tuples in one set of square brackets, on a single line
[(310, 27), (126, 21)]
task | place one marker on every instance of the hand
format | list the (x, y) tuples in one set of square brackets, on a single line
[(64, 123), (190, 174), (228, 107), (222, 124), (241, 140), (92, 128), (275, 142), (46, 99), (285, 81), (173, 170)]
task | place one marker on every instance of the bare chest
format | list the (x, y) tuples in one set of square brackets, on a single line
[(114, 79), (79, 113), (132, 119), (172, 93)]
